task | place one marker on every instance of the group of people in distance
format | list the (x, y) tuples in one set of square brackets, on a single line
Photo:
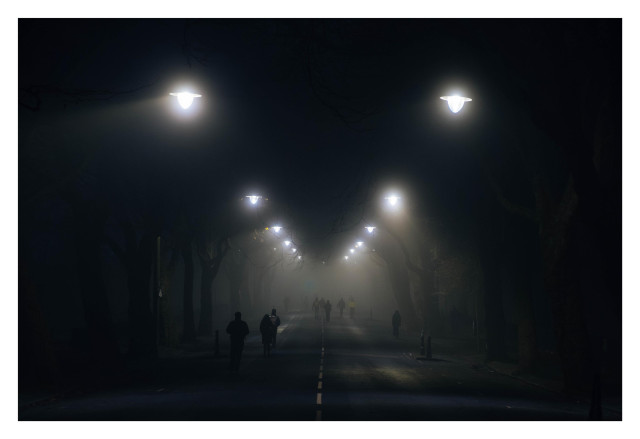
[(238, 330), (320, 305)]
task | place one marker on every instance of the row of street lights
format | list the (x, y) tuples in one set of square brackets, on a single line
[(455, 103)]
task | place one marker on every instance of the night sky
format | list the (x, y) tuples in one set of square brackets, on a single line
[(322, 118)]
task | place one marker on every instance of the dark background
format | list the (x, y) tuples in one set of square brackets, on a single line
[(524, 185)]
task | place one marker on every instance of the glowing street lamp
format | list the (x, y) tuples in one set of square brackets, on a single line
[(370, 229), (294, 250), (359, 244), (392, 200), (346, 257), (185, 98), (287, 243), (253, 198), (351, 250), (455, 102), (276, 228)]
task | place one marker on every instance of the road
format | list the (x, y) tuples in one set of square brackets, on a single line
[(344, 369)]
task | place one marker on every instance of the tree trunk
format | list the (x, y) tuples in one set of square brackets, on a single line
[(205, 324), (104, 346), (189, 328)]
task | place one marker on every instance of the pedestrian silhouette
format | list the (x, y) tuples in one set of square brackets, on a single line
[(266, 329), (237, 330), (316, 308), (327, 309), (341, 306), (395, 322), (275, 321)]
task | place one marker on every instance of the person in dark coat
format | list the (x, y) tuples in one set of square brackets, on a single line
[(237, 330), (341, 306), (395, 322), (275, 321), (266, 329), (327, 309)]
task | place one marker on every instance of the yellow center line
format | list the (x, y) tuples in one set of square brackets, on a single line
[(319, 399), (320, 385)]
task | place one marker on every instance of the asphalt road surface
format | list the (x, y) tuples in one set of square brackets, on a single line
[(344, 369)]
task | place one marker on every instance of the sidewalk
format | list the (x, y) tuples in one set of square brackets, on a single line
[(463, 350)]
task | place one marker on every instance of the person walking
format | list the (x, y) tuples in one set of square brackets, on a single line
[(275, 321), (327, 309), (237, 330), (352, 307), (341, 306), (266, 329), (395, 322), (316, 308)]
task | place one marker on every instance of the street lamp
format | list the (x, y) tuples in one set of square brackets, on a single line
[(370, 229), (287, 243), (276, 228), (253, 198), (359, 244), (185, 98), (351, 250), (455, 102)]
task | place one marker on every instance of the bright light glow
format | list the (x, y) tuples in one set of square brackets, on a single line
[(359, 244), (294, 250), (253, 198), (299, 257), (455, 102), (287, 243), (276, 228), (392, 199), (185, 99), (370, 229), (346, 257), (351, 250)]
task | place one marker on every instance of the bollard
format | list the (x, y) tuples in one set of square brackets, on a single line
[(216, 352), (422, 342), (429, 347)]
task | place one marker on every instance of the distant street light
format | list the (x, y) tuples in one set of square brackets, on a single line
[(351, 250), (185, 98), (253, 198), (276, 228), (370, 229), (346, 257), (287, 243), (359, 244), (392, 200), (455, 102)]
